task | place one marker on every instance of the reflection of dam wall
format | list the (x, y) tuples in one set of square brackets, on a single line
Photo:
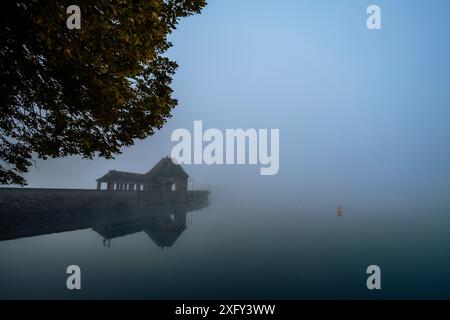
[(32, 200), (28, 224)]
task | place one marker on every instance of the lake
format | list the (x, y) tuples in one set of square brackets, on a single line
[(228, 249)]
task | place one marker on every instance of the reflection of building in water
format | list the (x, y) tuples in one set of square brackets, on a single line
[(162, 223), (164, 176), (164, 227)]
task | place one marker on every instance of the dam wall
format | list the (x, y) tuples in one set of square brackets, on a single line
[(39, 199)]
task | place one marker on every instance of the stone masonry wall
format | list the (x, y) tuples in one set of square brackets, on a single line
[(31, 199)]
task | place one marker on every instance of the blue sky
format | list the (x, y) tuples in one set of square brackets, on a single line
[(363, 115)]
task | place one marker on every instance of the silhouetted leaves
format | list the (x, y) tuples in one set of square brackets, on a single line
[(83, 92)]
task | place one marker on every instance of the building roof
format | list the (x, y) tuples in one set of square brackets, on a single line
[(111, 231), (167, 168), (124, 177), (164, 168), (165, 237)]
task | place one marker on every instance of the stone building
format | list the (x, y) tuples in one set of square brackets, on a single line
[(164, 176)]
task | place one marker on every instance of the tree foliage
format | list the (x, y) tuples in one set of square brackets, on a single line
[(85, 92)]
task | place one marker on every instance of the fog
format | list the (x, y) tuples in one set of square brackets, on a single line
[(363, 115)]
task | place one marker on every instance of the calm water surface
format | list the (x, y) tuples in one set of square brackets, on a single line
[(235, 249)]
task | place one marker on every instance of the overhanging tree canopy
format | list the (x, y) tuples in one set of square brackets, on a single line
[(83, 92)]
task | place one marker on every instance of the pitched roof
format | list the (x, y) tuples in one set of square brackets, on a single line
[(167, 168), (122, 176), (164, 237), (111, 231), (164, 168)]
